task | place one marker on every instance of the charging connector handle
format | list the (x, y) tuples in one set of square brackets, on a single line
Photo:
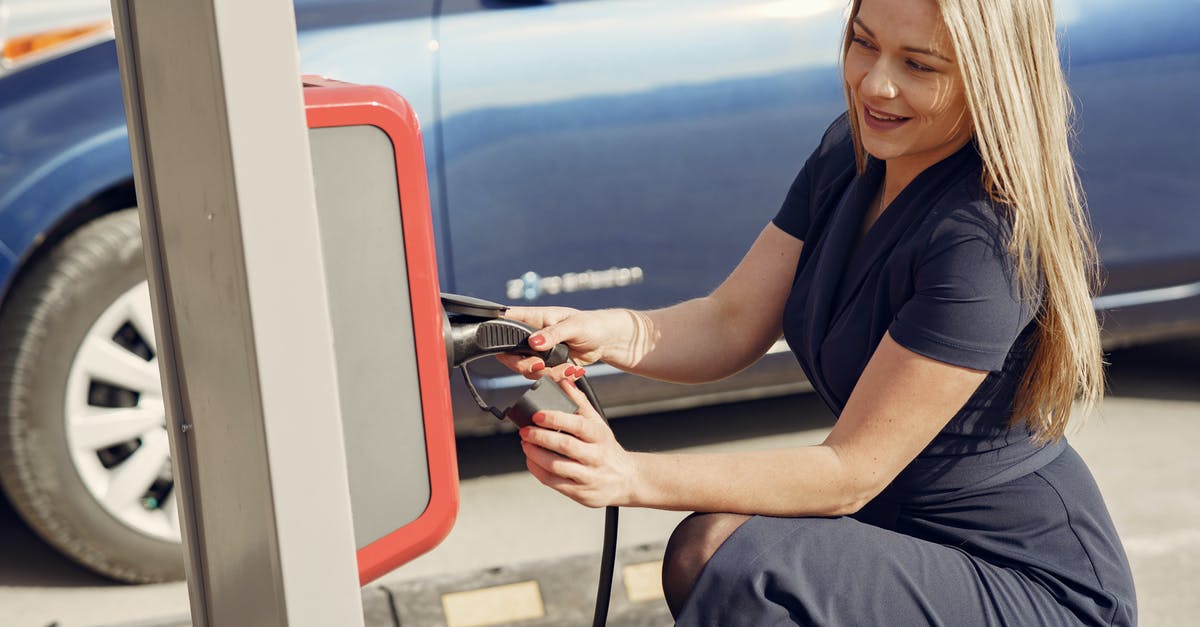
[(469, 338)]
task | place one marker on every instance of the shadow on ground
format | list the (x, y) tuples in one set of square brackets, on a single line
[(29, 562), (1168, 371)]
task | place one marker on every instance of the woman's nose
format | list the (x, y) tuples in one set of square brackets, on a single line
[(878, 82)]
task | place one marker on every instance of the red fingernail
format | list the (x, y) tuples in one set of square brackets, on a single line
[(538, 367), (539, 418), (537, 341), (579, 372)]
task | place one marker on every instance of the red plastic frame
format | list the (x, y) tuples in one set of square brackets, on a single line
[(334, 103)]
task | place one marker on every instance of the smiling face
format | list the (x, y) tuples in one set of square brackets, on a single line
[(905, 87)]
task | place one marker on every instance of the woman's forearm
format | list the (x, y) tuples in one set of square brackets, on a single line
[(699, 340), (693, 342), (711, 338), (807, 481)]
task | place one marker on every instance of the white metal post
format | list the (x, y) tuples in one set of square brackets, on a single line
[(224, 182)]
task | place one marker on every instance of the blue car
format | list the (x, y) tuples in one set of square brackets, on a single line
[(587, 153)]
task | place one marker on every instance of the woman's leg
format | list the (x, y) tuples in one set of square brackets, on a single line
[(1017, 554), (692, 544), (842, 572)]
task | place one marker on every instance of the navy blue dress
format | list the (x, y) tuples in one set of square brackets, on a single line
[(984, 527)]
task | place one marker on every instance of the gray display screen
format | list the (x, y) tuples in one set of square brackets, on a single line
[(362, 238)]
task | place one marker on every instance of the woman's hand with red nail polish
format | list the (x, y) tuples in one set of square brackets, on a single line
[(530, 367), (590, 336), (618, 336), (577, 455)]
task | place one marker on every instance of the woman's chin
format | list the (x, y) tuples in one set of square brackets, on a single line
[(882, 153)]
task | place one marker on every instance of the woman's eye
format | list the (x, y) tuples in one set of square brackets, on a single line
[(918, 66), (862, 42)]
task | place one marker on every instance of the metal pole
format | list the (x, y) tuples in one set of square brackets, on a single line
[(224, 183)]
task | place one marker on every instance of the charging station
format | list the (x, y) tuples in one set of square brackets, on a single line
[(293, 280)]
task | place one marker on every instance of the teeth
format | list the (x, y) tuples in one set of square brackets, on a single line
[(880, 117)]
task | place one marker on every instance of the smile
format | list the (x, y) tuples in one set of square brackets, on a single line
[(881, 121), (878, 116)]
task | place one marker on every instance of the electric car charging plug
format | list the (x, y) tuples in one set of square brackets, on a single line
[(474, 330), (544, 395)]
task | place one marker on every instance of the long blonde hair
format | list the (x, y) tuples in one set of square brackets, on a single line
[(1017, 96)]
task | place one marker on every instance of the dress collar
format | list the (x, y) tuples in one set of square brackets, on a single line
[(838, 268)]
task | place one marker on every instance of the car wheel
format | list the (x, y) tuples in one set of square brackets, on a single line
[(84, 456)]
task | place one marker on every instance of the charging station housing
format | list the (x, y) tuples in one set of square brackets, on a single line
[(381, 274)]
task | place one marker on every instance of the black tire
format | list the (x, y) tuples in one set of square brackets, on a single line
[(48, 313)]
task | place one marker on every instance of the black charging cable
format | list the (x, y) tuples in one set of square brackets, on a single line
[(608, 555)]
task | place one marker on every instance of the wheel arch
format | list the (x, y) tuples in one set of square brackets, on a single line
[(117, 195)]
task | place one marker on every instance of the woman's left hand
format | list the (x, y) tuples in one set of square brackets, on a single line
[(578, 455)]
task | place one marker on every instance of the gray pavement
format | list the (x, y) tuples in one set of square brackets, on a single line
[(515, 538)]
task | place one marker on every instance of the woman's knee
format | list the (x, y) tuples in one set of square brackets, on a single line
[(692, 544)]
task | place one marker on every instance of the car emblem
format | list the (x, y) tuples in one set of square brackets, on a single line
[(530, 286)]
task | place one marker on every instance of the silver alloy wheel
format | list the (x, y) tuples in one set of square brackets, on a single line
[(116, 420)]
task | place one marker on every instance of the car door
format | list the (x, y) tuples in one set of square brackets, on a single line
[(1134, 70), (622, 153)]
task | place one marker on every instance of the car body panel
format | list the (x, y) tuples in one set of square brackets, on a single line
[(670, 156), (7, 261), (62, 141), (1135, 77)]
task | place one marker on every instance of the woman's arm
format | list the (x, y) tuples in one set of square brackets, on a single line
[(699, 340), (900, 403)]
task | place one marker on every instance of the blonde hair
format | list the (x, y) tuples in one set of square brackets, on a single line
[(1018, 100)]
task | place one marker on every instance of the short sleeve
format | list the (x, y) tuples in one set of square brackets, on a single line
[(795, 216), (966, 308), (796, 213)]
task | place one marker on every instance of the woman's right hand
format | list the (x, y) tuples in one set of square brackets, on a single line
[(590, 335)]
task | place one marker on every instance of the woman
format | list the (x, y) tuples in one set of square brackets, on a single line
[(930, 268)]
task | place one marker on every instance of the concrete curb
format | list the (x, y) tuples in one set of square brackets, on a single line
[(566, 588), (558, 592)]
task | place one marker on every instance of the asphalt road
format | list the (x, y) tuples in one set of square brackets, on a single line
[(1141, 448)]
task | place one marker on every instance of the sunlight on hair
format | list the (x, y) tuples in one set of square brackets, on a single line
[(1022, 112), (1017, 93)]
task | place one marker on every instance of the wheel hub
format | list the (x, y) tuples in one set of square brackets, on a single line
[(116, 421)]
